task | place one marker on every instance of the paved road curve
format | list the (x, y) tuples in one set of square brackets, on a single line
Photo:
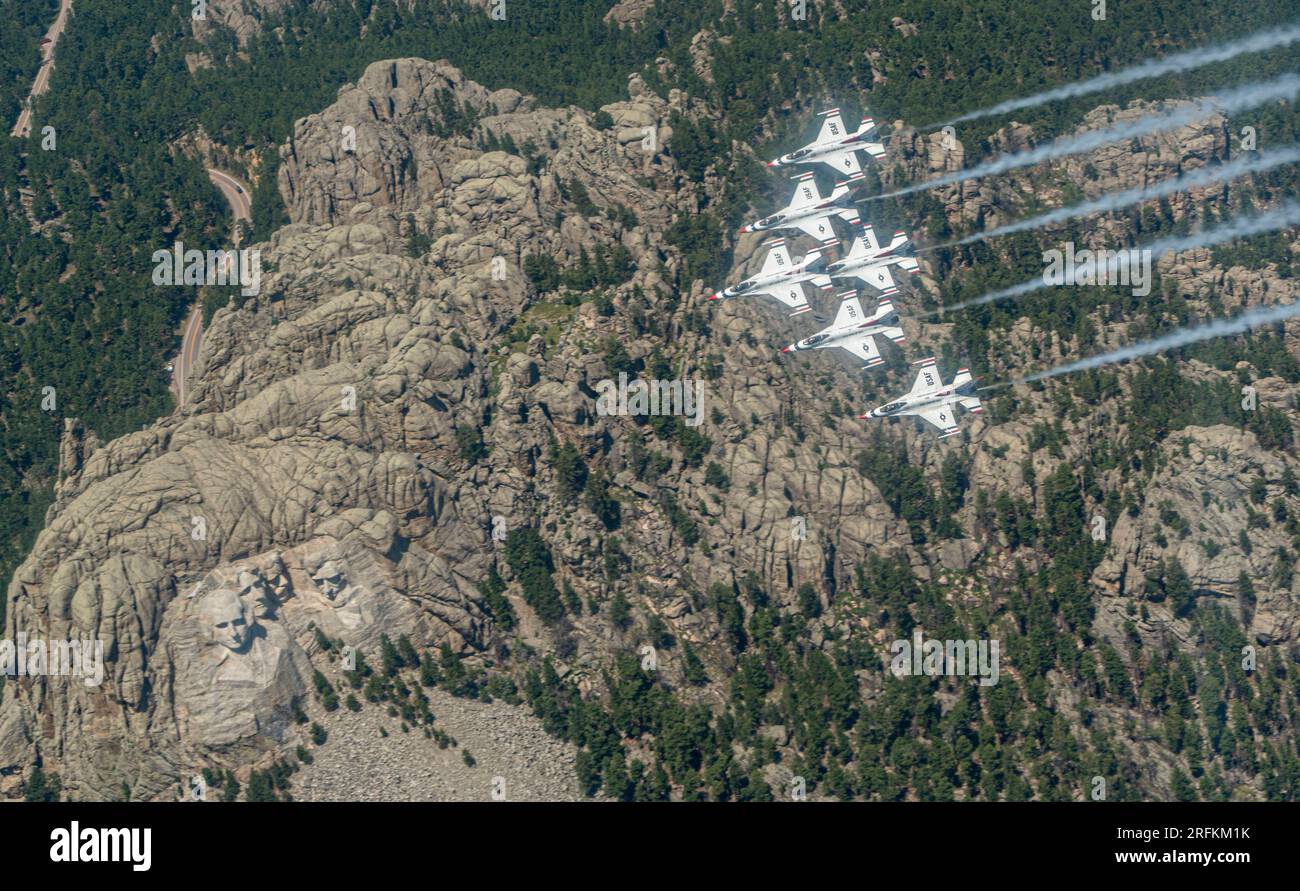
[(42, 83), (236, 195), (192, 337)]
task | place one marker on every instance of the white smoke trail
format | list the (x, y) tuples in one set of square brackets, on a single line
[(1005, 294), (1202, 177), (1263, 315), (1284, 215), (1187, 60), (1229, 102)]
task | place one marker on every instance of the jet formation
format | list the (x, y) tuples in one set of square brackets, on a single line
[(866, 261)]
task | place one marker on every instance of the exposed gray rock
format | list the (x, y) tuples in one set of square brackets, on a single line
[(319, 456)]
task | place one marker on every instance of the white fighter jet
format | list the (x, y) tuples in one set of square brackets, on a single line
[(932, 400), (855, 331), (868, 261), (810, 212), (835, 146), (782, 278)]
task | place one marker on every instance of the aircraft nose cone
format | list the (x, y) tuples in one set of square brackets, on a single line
[(786, 349), (773, 163), (717, 295)]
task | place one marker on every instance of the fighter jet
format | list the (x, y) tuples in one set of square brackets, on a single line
[(835, 146), (855, 331), (810, 212), (781, 278), (933, 401), (869, 262)]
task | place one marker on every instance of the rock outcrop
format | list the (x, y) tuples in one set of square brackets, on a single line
[(314, 480), (396, 393)]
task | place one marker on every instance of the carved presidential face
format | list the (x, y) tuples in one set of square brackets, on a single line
[(331, 579), (253, 588), (228, 619)]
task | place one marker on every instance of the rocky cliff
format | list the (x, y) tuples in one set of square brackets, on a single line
[(326, 475)]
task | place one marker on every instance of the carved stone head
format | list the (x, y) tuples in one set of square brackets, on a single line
[(228, 619), (331, 578)]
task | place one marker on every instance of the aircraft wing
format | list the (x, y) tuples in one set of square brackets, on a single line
[(927, 378), (806, 193), (864, 245), (850, 311), (870, 244), (845, 161), (777, 259), (878, 277), (791, 295), (864, 347), (818, 227), (941, 416), (832, 127)]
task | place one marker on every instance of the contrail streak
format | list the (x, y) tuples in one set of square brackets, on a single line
[(1202, 177), (1284, 215), (1172, 64), (1229, 102), (1262, 315)]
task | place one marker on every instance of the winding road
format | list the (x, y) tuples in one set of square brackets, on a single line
[(236, 196), (42, 82), (241, 205)]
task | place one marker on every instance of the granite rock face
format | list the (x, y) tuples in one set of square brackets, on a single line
[(314, 480), (994, 201), (324, 475), (242, 17), (1202, 496)]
